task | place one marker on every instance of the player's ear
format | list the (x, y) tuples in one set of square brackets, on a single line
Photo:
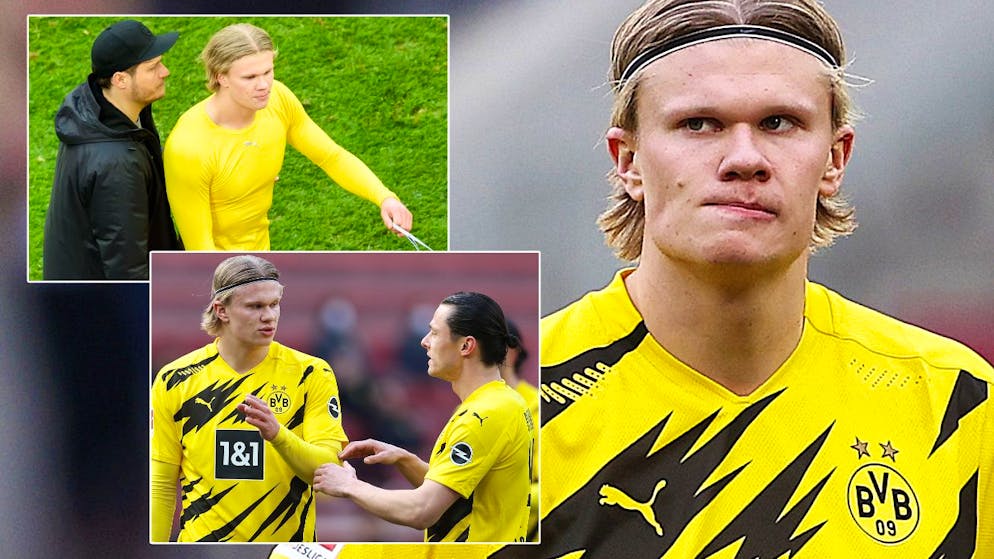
[(220, 311), (621, 146), (838, 157), (467, 346)]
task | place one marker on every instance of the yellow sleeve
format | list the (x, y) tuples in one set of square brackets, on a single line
[(338, 163), (165, 445), (322, 435), (162, 502), (464, 435), (188, 182), (304, 457)]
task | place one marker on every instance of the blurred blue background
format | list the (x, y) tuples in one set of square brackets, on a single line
[(528, 110)]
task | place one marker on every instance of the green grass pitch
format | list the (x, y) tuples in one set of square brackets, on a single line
[(377, 85)]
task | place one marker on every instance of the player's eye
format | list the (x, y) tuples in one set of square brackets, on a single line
[(700, 124), (777, 123)]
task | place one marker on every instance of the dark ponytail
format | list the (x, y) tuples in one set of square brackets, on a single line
[(475, 314)]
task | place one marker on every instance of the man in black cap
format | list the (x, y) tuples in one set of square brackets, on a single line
[(108, 206)]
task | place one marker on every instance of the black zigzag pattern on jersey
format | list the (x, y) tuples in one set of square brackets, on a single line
[(452, 516), (203, 406), (236, 416), (307, 372), (766, 532), (173, 377), (187, 487), (961, 541), (555, 377), (302, 521), (968, 393), (588, 520), (202, 504), (223, 533), (298, 416), (287, 508)]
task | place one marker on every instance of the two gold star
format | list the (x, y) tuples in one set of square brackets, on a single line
[(861, 450)]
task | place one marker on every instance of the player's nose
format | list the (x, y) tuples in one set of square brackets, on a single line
[(743, 159)]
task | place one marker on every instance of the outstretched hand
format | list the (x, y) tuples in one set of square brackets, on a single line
[(372, 452), (394, 211)]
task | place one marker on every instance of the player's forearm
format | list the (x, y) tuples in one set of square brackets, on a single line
[(353, 175), (413, 469), (399, 506), (162, 502), (194, 226), (302, 456), (338, 163)]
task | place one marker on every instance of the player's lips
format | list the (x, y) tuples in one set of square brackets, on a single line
[(742, 206), (268, 330)]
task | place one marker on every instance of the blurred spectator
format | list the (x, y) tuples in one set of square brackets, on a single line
[(366, 410), (413, 359)]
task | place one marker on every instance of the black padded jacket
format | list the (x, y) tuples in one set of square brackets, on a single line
[(108, 206)]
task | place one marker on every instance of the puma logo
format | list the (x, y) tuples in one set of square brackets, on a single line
[(209, 405), (476, 415), (613, 496)]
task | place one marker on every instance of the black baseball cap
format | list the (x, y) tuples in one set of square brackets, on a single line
[(125, 44)]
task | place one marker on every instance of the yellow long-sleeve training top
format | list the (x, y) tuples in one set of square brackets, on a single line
[(220, 181)]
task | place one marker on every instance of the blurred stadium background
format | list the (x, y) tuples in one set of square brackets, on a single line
[(365, 314), (527, 112)]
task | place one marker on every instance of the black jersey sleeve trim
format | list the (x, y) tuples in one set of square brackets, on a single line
[(452, 516), (961, 541), (968, 393), (564, 383)]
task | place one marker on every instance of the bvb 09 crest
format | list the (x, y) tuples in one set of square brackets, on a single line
[(882, 503), (279, 400)]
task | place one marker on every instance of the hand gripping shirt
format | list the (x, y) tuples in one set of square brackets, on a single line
[(235, 485), (220, 181), (483, 453), (875, 439)]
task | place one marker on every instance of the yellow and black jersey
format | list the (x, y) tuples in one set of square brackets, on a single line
[(235, 485), (483, 453), (875, 439), (530, 394)]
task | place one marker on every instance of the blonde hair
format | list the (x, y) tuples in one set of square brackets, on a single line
[(229, 275), (228, 45), (660, 21)]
